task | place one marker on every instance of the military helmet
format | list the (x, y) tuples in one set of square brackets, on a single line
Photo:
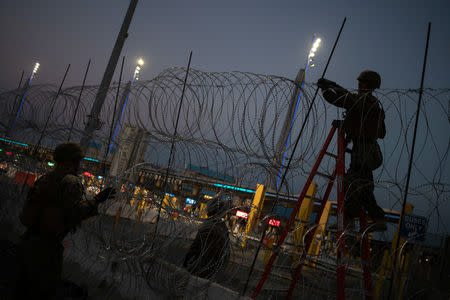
[(372, 78), (68, 152)]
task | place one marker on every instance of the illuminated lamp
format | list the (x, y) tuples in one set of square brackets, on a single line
[(241, 214), (274, 222), (190, 201)]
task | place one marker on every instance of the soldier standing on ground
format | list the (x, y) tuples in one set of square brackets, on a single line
[(210, 251), (363, 125), (55, 206)]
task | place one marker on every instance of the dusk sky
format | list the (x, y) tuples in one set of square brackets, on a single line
[(263, 37), (267, 37)]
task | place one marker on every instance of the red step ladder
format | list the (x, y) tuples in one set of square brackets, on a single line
[(338, 176)]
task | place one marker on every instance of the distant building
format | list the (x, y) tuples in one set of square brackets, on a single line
[(132, 145)]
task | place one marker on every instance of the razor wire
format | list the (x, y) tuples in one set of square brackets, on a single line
[(230, 123)]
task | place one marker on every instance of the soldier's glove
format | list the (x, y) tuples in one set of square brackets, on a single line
[(104, 195), (325, 83)]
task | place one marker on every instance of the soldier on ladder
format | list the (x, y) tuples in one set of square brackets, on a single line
[(363, 125)]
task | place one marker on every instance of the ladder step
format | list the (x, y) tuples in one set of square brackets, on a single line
[(325, 175)]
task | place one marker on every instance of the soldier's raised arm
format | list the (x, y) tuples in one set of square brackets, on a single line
[(336, 94)]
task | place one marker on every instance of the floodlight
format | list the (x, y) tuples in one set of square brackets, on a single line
[(140, 61)]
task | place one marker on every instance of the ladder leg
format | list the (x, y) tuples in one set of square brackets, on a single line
[(293, 214), (309, 238), (311, 235), (340, 170)]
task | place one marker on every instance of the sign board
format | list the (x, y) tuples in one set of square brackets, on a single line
[(190, 201), (274, 222), (414, 227), (241, 214)]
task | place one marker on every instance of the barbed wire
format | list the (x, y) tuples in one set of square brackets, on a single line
[(230, 124)]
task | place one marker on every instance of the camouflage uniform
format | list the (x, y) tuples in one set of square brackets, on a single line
[(363, 124), (40, 253)]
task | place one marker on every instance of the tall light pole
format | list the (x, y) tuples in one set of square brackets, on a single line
[(33, 74), (123, 102), (93, 122), (285, 135)]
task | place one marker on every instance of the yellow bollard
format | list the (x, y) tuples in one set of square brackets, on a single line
[(314, 249), (257, 203), (303, 215), (388, 259), (202, 213)]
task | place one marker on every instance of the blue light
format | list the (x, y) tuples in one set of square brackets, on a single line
[(190, 201), (20, 106), (121, 113), (90, 159), (293, 118), (171, 195), (100, 177), (13, 142), (234, 188)]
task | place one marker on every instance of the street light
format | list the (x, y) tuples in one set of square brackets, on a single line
[(312, 52), (36, 68), (33, 74), (137, 70), (290, 117)]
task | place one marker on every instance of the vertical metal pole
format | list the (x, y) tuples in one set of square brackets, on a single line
[(36, 146), (114, 113), (93, 122), (53, 106), (408, 176), (21, 78), (15, 100), (79, 99), (169, 163), (340, 170), (123, 103), (290, 158)]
